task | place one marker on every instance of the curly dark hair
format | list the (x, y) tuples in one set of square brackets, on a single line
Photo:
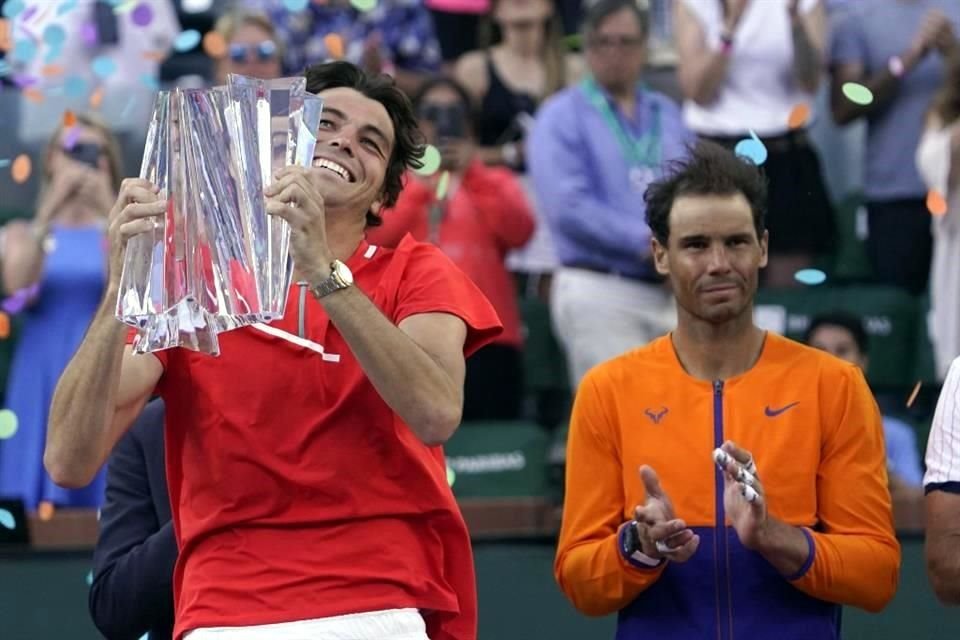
[(709, 169), (409, 143)]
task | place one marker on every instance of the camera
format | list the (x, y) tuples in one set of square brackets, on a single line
[(86, 153), (449, 120)]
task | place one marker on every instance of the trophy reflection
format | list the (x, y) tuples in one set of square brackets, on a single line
[(217, 260)]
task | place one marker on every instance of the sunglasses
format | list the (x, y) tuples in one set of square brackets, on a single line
[(263, 51), (608, 43)]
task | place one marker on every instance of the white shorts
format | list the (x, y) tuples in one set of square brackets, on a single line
[(393, 624)]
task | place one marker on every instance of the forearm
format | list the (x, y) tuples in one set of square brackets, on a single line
[(883, 85), (135, 593), (943, 566), (84, 400), (807, 61), (705, 76), (783, 546), (408, 379), (23, 265)]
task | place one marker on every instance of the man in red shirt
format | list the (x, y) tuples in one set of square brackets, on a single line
[(307, 483)]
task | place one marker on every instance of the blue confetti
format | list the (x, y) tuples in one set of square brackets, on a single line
[(23, 51), (4, 162), (5, 68), (103, 66), (127, 109), (53, 53), (295, 5), (811, 277), (149, 80), (752, 149), (13, 8), (66, 7), (54, 35), (75, 87), (186, 40), (89, 578), (7, 520)]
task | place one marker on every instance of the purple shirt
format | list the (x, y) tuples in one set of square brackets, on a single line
[(582, 178)]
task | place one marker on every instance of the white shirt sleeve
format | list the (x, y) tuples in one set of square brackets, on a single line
[(943, 447)]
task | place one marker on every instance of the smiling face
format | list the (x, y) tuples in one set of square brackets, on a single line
[(354, 145), (713, 257)]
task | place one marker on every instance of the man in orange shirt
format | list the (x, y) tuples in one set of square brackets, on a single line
[(793, 520)]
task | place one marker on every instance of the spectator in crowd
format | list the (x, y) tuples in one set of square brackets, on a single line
[(843, 336), (895, 48), (396, 37), (942, 486), (508, 80), (133, 562), (57, 261), (744, 66), (594, 150), (481, 215), (791, 518), (457, 23), (938, 160), (252, 46)]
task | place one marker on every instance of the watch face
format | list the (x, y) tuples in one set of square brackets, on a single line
[(343, 272)]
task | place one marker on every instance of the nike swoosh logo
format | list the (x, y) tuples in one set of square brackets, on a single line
[(772, 413)]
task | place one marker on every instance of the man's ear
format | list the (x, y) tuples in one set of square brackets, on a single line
[(660, 259), (764, 244)]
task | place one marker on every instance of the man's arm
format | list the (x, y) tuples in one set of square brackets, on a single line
[(942, 486), (854, 554), (808, 32), (132, 590), (589, 567), (701, 70)]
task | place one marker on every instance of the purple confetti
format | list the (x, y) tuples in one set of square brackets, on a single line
[(15, 303), (70, 137), (29, 13), (88, 32), (142, 15), (23, 80)]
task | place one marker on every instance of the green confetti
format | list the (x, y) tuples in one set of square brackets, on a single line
[(8, 424), (451, 475), (857, 93), (363, 5), (430, 160), (443, 185), (574, 42)]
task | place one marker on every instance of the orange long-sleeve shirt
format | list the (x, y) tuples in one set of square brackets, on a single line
[(815, 433)]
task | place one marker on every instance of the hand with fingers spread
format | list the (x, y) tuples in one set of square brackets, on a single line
[(295, 196), (138, 209), (661, 533), (743, 495)]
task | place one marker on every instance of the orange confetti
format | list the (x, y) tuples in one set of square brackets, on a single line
[(215, 45), (156, 56), (334, 44), (5, 42), (51, 70), (798, 116), (96, 98), (913, 394), (45, 510), (33, 94), (936, 203), (69, 118), (4, 326), (20, 170)]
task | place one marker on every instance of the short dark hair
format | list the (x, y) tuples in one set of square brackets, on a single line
[(599, 11), (408, 146), (709, 169), (843, 320)]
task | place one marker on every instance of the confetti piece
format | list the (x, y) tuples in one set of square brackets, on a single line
[(443, 185), (75, 87), (103, 66), (4, 162), (215, 45), (33, 95), (13, 8), (5, 42), (23, 81), (857, 93), (15, 303), (96, 98), (69, 118), (936, 203), (88, 33), (50, 70), (364, 5), (451, 476), (149, 80), (142, 15), (28, 13), (430, 160), (23, 51), (70, 138), (66, 7), (125, 7), (45, 510), (127, 109), (89, 578), (4, 68), (8, 420), (798, 116), (752, 149), (913, 394), (156, 56), (7, 520), (53, 52), (186, 40), (334, 44), (4, 334), (811, 277), (295, 5), (54, 35), (20, 171)]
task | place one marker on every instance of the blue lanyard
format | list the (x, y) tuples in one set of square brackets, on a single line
[(639, 151)]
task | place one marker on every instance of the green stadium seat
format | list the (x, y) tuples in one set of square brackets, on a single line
[(545, 367), (851, 261), (892, 319), (499, 459)]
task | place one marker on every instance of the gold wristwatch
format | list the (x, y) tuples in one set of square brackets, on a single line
[(340, 278)]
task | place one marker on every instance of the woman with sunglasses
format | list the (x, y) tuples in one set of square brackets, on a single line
[(252, 48), (54, 271)]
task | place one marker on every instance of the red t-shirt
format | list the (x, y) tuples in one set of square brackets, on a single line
[(297, 492)]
